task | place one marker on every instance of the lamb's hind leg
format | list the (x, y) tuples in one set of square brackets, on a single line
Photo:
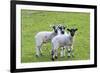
[(53, 55), (38, 51), (56, 54)]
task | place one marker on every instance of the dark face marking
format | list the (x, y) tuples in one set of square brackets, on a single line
[(72, 31), (55, 29), (62, 29)]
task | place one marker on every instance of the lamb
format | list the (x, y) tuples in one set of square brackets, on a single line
[(63, 40), (44, 37)]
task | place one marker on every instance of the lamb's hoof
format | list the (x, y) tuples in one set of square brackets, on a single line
[(41, 54), (56, 57), (62, 56), (73, 56), (68, 57), (37, 56), (52, 59)]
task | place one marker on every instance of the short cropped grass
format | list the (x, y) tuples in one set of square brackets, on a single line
[(33, 22)]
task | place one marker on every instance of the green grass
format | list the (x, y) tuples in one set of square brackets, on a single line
[(33, 22)]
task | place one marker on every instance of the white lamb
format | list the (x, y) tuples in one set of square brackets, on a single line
[(44, 37), (63, 40)]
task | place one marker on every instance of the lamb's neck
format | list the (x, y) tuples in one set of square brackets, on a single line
[(53, 34), (71, 38)]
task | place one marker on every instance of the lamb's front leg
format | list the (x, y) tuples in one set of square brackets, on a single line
[(72, 51), (56, 54), (62, 52), (69, 51)]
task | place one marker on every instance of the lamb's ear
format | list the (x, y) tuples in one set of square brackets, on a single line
[(64, 27), (68, 29), (76, 29), (53, 27)]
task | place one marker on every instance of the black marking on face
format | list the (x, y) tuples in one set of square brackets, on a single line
[(72, 31), (62, 29), (55, 29), (69, 51)]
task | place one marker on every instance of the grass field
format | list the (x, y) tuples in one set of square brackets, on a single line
[(33, 22)]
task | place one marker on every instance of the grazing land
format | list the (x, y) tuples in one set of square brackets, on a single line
[(33, 22)]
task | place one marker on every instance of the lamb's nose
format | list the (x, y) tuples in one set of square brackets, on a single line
[(62, 32)]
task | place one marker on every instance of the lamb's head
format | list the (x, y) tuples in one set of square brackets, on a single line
[(55, 28), (72, 31), (62, 29)]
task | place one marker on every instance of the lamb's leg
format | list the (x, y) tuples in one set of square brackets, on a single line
[(62, 52), (40, 50), (69, 51), (72, 51), (55, 47), (53, 52), (37, 51), (38, 47), (64, 49), (53, 55), (56, 53)]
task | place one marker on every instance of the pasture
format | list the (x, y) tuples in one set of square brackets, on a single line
[(33, 22)]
